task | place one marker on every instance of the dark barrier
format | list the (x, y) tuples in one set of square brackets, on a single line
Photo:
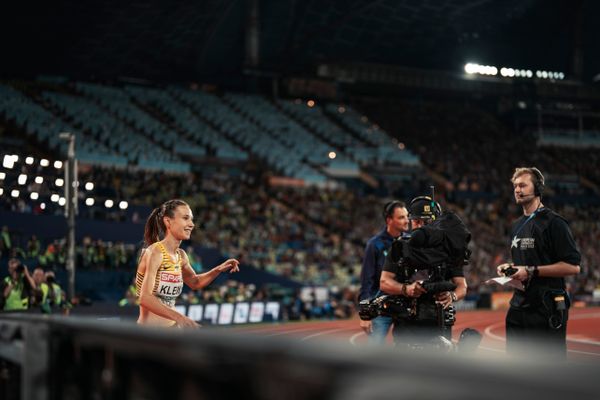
[(62, 358)]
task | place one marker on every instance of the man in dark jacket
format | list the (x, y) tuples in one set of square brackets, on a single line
[(396, 222)]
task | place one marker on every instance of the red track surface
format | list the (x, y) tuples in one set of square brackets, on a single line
[(583, 332)]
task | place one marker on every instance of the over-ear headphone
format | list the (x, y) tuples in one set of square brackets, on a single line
[(538, 181), (431, 208), (388, 209)]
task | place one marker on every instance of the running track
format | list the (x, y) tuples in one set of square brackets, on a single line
[(583, 332)]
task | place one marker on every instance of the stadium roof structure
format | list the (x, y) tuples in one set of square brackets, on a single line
[(191, 39)]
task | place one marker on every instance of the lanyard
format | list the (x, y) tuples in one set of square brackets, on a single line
[(527, 220)]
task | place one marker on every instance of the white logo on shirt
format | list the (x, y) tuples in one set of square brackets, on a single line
[(523, 243), (515, 242)]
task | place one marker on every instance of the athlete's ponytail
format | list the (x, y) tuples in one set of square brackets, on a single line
[(155, 225)]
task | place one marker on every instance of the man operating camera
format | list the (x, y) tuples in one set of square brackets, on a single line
[(425, 273)]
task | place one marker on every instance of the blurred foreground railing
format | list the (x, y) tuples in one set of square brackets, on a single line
[(55, 357)]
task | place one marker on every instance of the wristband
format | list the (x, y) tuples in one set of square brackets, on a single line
[(403, 291), (536, 271)]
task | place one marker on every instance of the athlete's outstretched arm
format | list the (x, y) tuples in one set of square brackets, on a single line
[(199, 281)]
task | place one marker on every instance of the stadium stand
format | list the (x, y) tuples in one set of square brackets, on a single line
[(310, 234)]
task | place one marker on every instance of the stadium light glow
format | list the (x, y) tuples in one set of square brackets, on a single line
[(401, 146), (43, 206), (62, 201), (89, 201), (310, 103), (109, 203), (22, 179), (332, 155), (44, 162), (29, 160), (527, 73), (1, 191), (58, 164), (34, 196), (2, 176), (472, 68), (39, 180), (541, 74), (341, 109), (89, 186), (59, 182), (54, 198), (9, 161), (14, 193), (123, 205)]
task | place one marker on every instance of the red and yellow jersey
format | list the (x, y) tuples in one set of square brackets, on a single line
[(169, 281)]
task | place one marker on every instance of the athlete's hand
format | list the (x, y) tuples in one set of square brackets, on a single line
[(231, 265), (415, 290), (185, 322), (367, 326)]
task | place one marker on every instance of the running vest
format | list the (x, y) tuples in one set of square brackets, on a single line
[(168, 282)]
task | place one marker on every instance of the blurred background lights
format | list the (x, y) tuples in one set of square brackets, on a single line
[(9, 161)]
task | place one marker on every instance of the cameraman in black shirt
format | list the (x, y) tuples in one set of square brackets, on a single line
[(424, 324), (544, 253)]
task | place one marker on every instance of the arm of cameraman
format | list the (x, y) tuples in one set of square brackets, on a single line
[(390, 285), (447, 298), (461, 287)]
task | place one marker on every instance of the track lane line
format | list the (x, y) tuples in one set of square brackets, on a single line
[(321, 333)]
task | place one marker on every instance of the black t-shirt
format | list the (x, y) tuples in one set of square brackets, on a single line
[(541, 239)]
